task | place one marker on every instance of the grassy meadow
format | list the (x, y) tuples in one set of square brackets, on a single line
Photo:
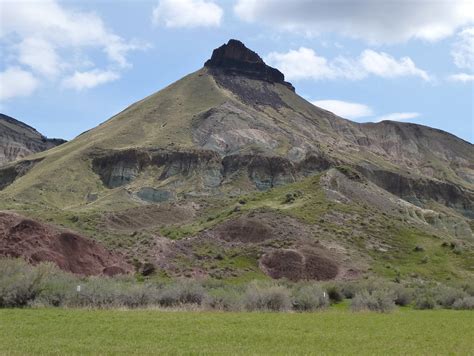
[(336, 331)]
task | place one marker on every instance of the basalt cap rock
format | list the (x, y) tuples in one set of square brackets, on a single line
[(235, 58)]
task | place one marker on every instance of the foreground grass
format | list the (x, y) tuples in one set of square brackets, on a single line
[(60, 331)]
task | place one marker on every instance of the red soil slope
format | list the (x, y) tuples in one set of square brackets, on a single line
[(37, 242)]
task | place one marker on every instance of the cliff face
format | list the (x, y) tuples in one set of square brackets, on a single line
[(236, 59), (18, 140)]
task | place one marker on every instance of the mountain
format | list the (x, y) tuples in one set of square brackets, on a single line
[(229, 173), (18, 140)]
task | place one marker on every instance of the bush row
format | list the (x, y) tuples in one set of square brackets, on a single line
[(44, 285)]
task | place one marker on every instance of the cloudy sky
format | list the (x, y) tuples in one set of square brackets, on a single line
[(67, 66)]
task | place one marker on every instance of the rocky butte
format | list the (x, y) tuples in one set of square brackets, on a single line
[(234, 58)]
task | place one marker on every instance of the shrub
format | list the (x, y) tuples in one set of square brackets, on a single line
[(57, 289), (310, 298), (20, 283), (182, 292), (402, 296), (136, 295), (292, 196), (334, 293), (96, 292), (425, 301), (466, 303), (348, 289), (102, 292), (224, 299), (446, 296), (379, 300), (273, 298), (147, 269), (468, 287)]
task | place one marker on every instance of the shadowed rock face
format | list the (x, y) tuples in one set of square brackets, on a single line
[(119, 168), (235, 58), (420, 190), (18, 140)]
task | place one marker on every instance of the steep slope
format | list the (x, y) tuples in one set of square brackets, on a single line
[(233, 140), (18, 140)]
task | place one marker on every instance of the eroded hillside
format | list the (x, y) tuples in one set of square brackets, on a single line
[(228, 173)]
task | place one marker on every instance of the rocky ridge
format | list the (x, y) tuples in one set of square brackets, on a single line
[(18, 140)]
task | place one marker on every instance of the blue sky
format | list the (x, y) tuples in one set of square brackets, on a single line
[(67, 66)]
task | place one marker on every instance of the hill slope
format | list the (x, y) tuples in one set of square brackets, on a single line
[(18, 140), (231, 151)]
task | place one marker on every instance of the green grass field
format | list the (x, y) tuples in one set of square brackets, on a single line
[(61, 331)]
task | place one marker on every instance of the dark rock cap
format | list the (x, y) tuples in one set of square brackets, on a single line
[(236, 59)]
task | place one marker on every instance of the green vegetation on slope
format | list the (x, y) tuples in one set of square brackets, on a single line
[(65, 178)]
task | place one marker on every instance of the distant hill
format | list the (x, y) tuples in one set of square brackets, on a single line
[(228, 173), (18, 140)]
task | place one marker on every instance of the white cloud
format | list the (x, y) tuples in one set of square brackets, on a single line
[(376, 21), (354, 111), (187, 13), (463, 49), (16, 82), (90, 79), (345, 109), (461, 77), (48, 38), (384, 65), (40, 55), (304, 63), (398, 116)]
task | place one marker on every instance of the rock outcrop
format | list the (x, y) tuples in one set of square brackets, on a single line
[(236, 59)]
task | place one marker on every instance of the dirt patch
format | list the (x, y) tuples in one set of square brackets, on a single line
[(244, 229), (148, 216), (298, 265), (37, 242), (261, 227)]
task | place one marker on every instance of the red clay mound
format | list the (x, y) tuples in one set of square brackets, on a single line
[(297, 265), (37, 242)]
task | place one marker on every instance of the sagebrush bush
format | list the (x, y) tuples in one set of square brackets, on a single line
[(335, 294), (96, 292), (104, 292), (466, 303), (402, 296), (348, 289), (468, 287), (21, 283), (57, 289), (310, 298), (377, 300), (182, 292), (266, 298), (224, 299), (425, 300), (45, 285), (446, 296)]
